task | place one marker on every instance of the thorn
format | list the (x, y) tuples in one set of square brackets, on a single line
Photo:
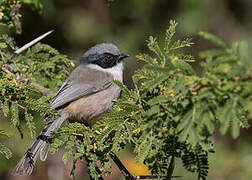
[(26, 46)]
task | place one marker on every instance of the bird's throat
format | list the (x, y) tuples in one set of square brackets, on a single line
[(116, 71)]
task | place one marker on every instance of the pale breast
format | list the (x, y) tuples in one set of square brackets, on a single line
[(89, 109)]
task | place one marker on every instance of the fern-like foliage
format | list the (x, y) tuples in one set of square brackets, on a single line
[(170, 114), (10, 12), (3, 149), (80, 144), (19, 98), (161, 119)]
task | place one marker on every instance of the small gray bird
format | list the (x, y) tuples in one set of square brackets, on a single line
[(85, 96)]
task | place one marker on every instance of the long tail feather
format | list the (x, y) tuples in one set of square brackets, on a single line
[(39, 146)]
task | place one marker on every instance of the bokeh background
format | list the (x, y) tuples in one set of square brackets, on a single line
[(80, 24)]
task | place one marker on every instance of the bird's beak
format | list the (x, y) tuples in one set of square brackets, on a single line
[(122, 56)]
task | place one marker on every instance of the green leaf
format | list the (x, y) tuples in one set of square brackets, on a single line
[(146, 58), (152, 84), (169, 34), (235, 129), (30, 124), (5, 151), (243, 51), (3, 45), (184, 66), (158, 68), (14, 114), (143, 150), (66, 156), (153, 46), (111, 125), (77, 155), (5, 107), (128, 106), (181, 44), (155, 109), (213, 39), (122, 86), (159, 100), (224, 115), (185, 122), (208, 120), (3, 133), (212, 53), (224, 59), (179, 85)]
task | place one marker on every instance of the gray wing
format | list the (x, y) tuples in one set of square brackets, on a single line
[(82, 81)]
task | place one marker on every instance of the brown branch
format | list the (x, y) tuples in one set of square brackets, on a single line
[(42, 89), (198, 87), (22, 77), (77, 134)]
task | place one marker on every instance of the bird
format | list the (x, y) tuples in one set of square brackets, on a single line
[(84, 97)]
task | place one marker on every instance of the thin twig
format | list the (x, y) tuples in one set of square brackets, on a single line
[(7, 71), (77, 134), (26, 46), (129, 176), (153, 177), (198, 87), (122, 168), (42, 89)]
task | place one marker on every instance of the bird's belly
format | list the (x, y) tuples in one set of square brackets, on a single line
[(89, 108)]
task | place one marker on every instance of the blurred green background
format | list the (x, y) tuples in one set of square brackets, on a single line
[(80, 24)]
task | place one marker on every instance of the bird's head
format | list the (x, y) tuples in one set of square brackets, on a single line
[(105, 55)]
